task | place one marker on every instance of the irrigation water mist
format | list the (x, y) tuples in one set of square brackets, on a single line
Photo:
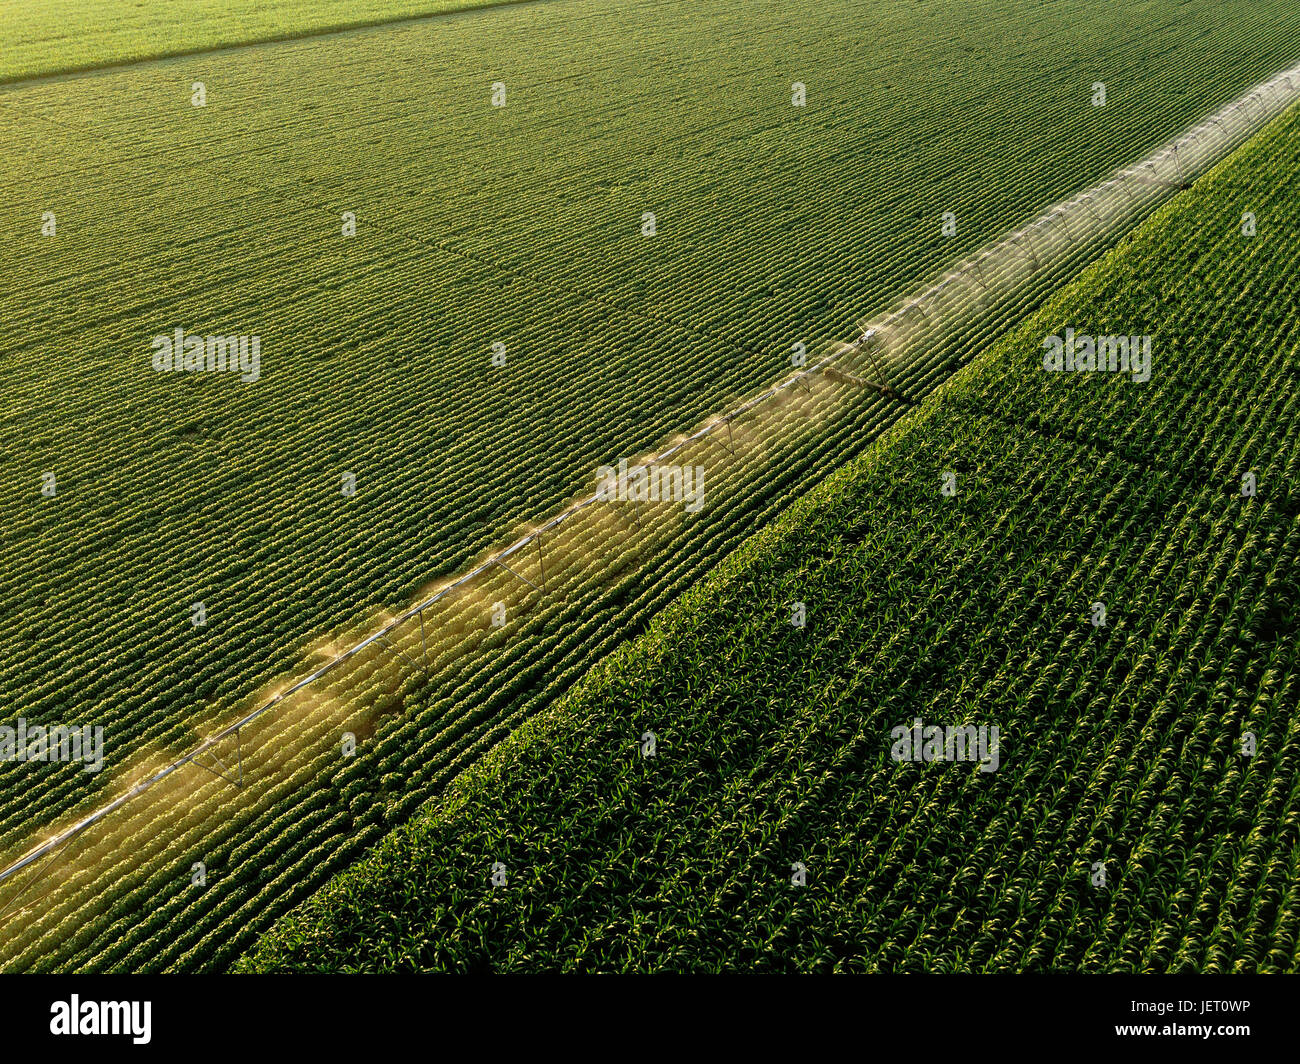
[(425, 670)]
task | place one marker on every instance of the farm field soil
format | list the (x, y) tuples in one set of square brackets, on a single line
[(1125, 822), (476, 225)]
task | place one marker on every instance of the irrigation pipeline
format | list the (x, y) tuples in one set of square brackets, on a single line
[(999, 273)]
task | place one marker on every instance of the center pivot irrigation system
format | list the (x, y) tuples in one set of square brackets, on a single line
[(902, 338)]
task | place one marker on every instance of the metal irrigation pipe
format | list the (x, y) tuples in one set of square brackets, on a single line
[(67, 834)]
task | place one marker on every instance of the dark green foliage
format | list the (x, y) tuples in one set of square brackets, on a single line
[(1120, 744)]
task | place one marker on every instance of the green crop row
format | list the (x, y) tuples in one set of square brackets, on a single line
[(44, 37), (1121, 744), (474, 224), (376, 351)]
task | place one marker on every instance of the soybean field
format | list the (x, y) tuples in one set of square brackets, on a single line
[(481, 254), (1140, 807)]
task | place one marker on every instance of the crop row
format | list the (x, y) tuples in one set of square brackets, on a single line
[(461, 724), (79, 596), (183, 491), (1121, 744)]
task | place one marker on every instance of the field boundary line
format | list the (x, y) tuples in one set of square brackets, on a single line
[(339, 29)]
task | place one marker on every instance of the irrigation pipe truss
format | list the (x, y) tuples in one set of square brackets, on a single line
[(1141, 185)]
